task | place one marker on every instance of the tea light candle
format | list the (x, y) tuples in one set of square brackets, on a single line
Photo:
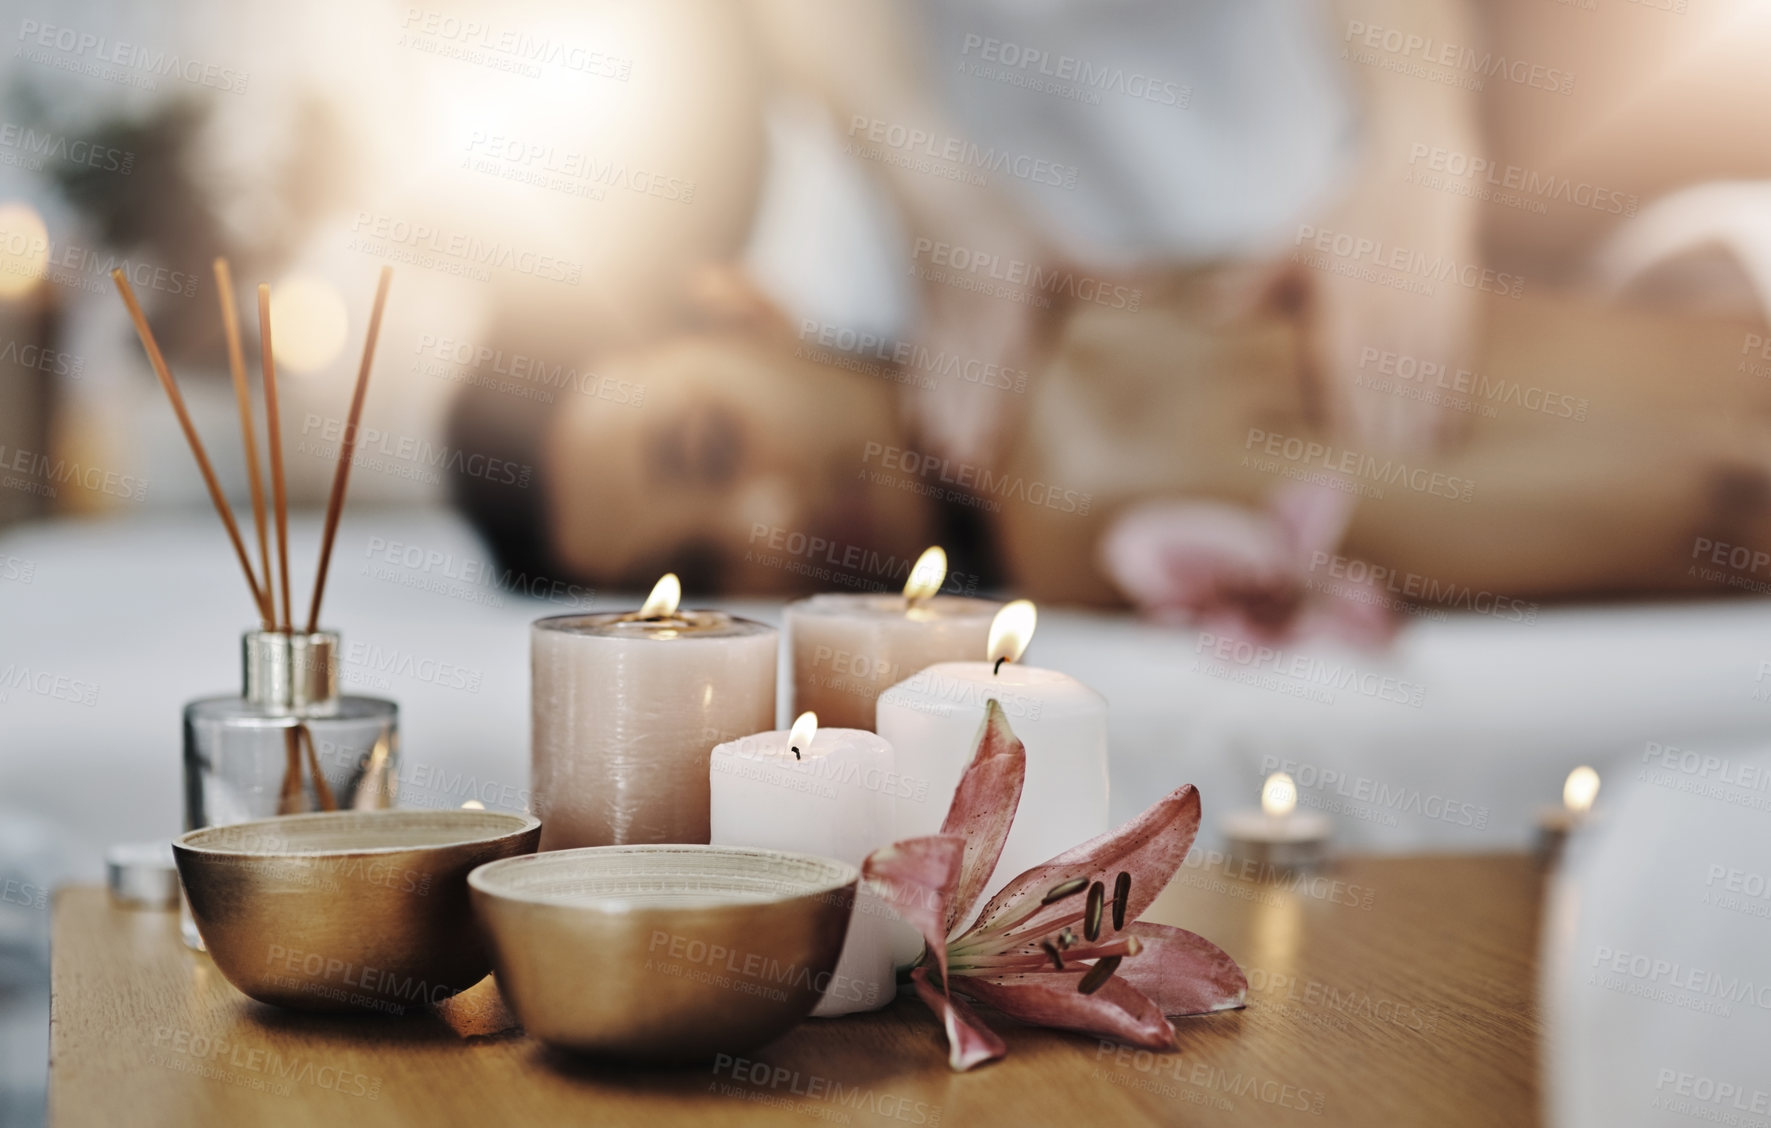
[(1279, 835), (625, 709), (848, 648), (1555, 824), (824, 791), (932, 719)]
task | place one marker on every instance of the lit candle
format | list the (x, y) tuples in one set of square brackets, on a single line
[(932, 720), (626, 709), (819, 791), (848, 648), (1279, 835), (1555, 824)]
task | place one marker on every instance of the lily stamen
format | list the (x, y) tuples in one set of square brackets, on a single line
[(1009, 924), (1017, 925), (1052, 951), (1098, 975), (1064, 889), (1041, 958)]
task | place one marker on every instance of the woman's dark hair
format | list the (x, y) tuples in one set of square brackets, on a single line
[(510, 515)]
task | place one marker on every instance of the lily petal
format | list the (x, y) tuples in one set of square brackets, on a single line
[(969, 1041), (1242, 572), (1183, 972), (917, 877), (984, 806), (1150, 847), (1183, 554), (1051, 998), (1314, 517)]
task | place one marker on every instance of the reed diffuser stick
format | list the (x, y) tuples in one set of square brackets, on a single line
[(321, 787), (347, 448), (274, 427), (230, 321), (190, 433), (289, 797)]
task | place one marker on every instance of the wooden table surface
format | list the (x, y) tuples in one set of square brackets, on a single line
[(1386, 991)]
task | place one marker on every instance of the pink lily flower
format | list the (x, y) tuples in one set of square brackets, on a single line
[(1061, 944), (1246, 573)]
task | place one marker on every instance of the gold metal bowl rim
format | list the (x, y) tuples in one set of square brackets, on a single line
[(192, 842), (484, 879)]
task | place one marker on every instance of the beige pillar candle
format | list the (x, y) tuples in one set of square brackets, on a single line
[(849, 648), (625, 710)]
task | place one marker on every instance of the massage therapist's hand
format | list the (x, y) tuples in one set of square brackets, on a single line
[(1387, 276), (1390, 280), (968, 385), (980, 338)]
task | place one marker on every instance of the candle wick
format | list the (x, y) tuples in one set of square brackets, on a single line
[(999, 662), (796, 751)]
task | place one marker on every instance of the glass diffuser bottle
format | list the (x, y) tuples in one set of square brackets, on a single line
[(290, 743)]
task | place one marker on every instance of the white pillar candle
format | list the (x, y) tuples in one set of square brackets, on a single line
[(848, 648), (933, 719), (626, 709), (833, 798)]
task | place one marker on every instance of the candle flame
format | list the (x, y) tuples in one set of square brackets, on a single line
[(1011, 631), (804, 731), (927, 576), (1279, 795), (666, 594), (1580, 790), (473, 805)]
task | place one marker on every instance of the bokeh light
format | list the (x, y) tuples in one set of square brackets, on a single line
[(309, 323), (24, 249)]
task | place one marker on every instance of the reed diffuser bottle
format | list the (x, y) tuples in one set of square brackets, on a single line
[(290, 743)]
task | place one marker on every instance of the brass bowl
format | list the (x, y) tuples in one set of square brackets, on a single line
[(347, 910), (663, 953)]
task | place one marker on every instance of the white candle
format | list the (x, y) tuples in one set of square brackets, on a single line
[(848, 648), (627, 707), (1279, 835), (821, 791), (1555, 824), (933, 719)]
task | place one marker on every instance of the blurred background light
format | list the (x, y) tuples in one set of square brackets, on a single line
[(309, 323), (24, 249)]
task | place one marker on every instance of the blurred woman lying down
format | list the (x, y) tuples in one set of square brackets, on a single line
[(1169, 457)]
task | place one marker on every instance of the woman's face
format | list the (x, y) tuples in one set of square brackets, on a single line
[(734, 464)]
